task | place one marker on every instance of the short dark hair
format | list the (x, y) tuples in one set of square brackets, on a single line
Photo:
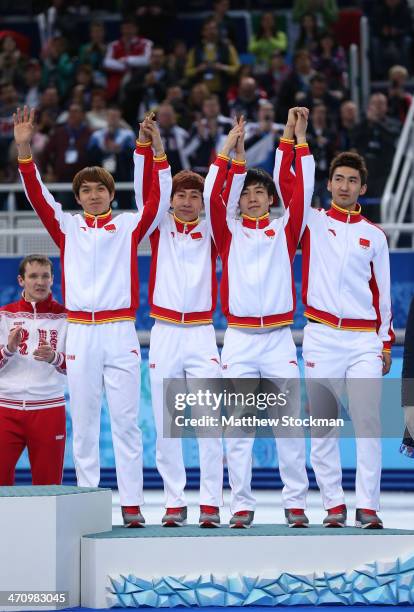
[(94, 174), (350, 160), (258, 176), (41, 259)]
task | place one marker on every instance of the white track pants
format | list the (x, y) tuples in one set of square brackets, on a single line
[(178, 351), (267, 355), (106, 356), (355, 358)]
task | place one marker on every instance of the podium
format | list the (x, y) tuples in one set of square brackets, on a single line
[(40, 536)]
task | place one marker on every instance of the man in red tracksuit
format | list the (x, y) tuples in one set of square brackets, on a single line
[(32, 377)]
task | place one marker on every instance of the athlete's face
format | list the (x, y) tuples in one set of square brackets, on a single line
[(346, 187), (255, 201), (94, 198), (37, 281), (187, 204)]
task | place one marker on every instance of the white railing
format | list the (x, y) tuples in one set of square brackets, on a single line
[(399, 189)]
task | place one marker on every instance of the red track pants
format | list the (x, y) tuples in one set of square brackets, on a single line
[(43, 432)]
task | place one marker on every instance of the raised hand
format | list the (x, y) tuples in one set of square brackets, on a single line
[(144, 133), (239, 148), (152, 128), (289, 131), (23, 126), (236, 132), (14, 339), (301, 124)]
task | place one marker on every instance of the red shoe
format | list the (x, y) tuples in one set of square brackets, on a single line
[(209, 516), (336, 517), (242, 519), (296, 517), (132, 516), (174, 517)]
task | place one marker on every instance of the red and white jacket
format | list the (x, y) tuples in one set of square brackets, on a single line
[(345, 269), (27, 384), (183, 281), (257, 288), (99, 254)]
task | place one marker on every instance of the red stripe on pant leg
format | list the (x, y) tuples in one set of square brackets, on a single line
[(46, 453), (12, 443)]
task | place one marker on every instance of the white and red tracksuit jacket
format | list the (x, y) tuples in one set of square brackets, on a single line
[(257, 288), (27, 384), (345, 269), (183, 281), (99, 254)]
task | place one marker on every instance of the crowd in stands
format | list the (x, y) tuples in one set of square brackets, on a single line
[(90, 96)]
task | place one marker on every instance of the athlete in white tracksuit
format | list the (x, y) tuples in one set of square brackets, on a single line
[(182, 297), (98, 255), (258, 299), (346, 294)]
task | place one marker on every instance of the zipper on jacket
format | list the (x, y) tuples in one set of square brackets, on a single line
[(258, 272), (343, 266), (95, 224)]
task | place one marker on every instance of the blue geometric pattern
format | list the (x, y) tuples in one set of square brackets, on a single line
[(377, 583)]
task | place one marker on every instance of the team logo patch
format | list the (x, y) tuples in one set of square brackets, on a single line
[(270, 232), (294, 362), (364, 243), (111, 228), (71, 357), (310, 364), (333, 232), (152, 365), (224, 366), (197, 236), (215, 359), (135, 351)]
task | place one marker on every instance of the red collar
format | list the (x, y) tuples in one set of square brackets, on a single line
[(185, 227), (43, 306), (100, 220), (256, 222), (344, 215)]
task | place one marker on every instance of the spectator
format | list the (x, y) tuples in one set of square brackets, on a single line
[(329, 60), (380, 103), (247, 101), (262, 138), (348, 120), (206, 136), (111, 148), (11, 60), (58, 68), (198, 93), (174, 138), (375, 139), (94, 51), (227, 30), (319, 94), (212, 61), (308, 33), (66, 152), (49, 103), (176, 62), (84, 78), (297, 82), (266, 41), (399, 100), (8, 103), (175, 97), (322, 144), (32, 80), (273, 79), (391, 35), (130, 51), (325, 10), (149, 85), (245, 70)]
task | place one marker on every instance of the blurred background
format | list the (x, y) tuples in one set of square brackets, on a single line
[(93, 69)]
